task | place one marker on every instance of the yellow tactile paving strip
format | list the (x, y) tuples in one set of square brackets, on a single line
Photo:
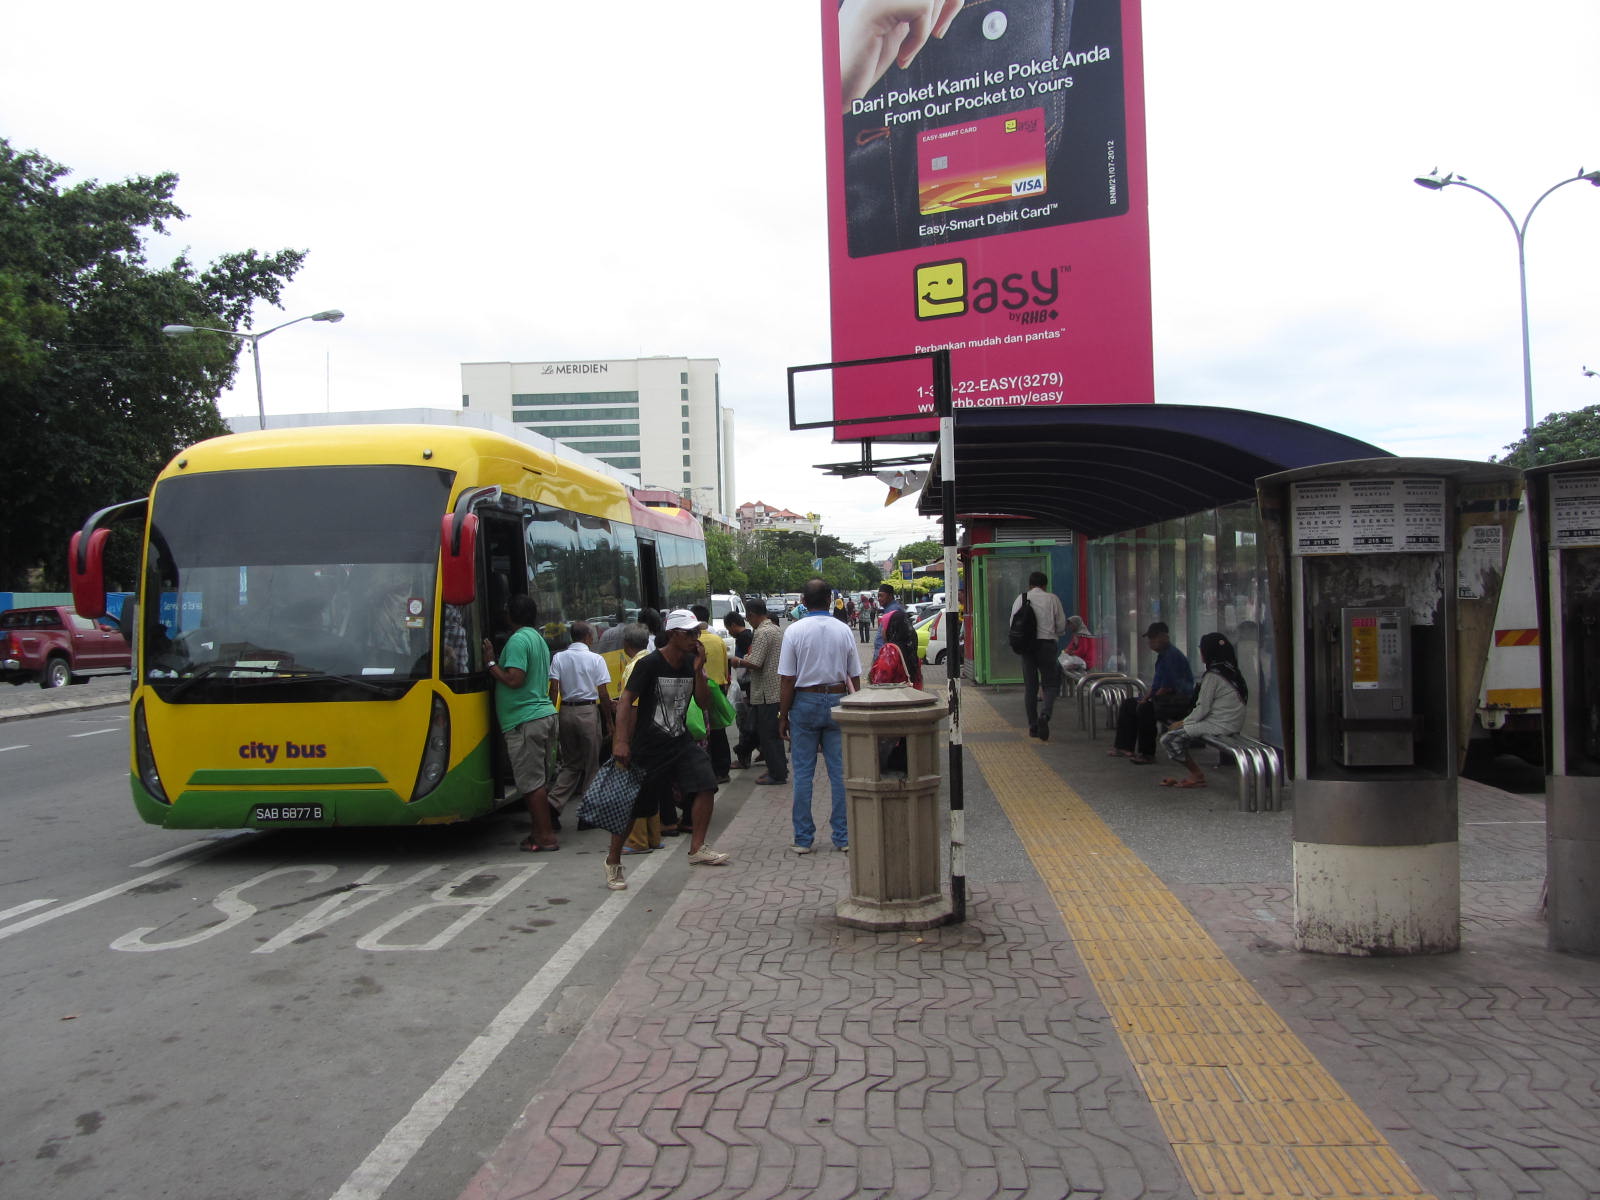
[(1248, 1109)]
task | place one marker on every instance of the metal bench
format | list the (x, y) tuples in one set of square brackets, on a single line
[(1110, 693), (1260, 767), (1083, 685)]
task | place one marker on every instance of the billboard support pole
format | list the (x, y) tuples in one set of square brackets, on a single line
[(952, 624)]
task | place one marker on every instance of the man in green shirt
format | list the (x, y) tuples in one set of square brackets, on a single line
[(527, 718)]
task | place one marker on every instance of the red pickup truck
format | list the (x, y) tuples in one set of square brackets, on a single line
[(56, 646)]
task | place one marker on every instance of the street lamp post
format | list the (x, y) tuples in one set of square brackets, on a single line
[(1437, 182), (332, 315)]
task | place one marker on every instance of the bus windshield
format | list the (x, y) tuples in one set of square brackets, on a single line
[(293, 583)]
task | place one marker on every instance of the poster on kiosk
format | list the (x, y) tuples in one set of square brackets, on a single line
[(987, 195)]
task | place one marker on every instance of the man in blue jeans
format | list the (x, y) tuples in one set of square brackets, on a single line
[(817, 666)]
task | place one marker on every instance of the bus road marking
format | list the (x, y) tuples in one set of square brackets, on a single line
[(92, 733), (22, 746), (400, 1145)]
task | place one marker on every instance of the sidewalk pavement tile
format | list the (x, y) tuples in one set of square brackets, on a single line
[(756, 1046)]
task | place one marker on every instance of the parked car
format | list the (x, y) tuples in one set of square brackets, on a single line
[(55, 646), (931, 643)]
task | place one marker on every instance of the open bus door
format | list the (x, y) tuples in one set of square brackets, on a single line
[(650, 576)]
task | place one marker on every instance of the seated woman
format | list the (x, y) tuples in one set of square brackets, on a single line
[(1219, 708)]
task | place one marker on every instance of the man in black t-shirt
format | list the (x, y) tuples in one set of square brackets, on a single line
[(653, 734)]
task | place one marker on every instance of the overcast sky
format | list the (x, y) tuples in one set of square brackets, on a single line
[(549, 181)]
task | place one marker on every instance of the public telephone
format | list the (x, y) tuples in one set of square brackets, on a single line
[(1377, 725)]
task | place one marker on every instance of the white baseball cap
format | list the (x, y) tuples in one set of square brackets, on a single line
[(682, 618)]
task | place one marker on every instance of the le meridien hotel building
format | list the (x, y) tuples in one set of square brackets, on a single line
[(659, 418)]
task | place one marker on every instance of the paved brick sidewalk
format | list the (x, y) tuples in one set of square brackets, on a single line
[(756, 1047)]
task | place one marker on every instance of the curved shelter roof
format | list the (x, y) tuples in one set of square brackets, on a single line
[(1102, 468)]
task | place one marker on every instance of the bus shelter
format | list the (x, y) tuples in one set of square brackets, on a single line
[(1158, 505)]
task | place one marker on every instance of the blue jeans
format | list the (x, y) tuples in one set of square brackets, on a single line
[(810, 727)]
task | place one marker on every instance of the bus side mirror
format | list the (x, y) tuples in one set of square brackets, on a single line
[(458, 557), (86, 569)]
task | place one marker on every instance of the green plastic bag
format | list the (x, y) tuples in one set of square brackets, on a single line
[(722, 714)]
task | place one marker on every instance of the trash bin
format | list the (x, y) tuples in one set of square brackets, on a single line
[(895, 881)]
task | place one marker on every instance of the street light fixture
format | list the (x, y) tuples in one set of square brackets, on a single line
[(1436, 182), (332, 316)]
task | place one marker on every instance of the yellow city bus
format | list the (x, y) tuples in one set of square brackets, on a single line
[(314, 602)]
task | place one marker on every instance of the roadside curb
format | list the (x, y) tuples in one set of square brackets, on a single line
[(44, 708)]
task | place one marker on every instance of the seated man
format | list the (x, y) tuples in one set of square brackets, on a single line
[(1171, 696)]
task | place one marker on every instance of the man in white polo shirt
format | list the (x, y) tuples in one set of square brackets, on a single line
[(817, 666), (581, 681)]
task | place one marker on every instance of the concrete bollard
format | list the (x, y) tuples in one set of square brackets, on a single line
[(894, 823)]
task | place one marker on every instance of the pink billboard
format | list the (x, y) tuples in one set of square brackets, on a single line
[(987, 195)]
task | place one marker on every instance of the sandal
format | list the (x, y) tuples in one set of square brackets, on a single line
[(1140, 760), (1183, 783), (530, 846), (1116, 753)]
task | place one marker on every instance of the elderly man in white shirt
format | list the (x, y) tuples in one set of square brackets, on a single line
[(581, 681), (817, 666), (1040, 667)]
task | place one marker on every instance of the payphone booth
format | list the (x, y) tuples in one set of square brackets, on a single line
[(1384, 577), (1564, 516)]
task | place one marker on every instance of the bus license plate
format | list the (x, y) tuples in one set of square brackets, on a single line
[(272, 814)]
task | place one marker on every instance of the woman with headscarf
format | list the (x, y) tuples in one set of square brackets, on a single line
[(1219, 708), (902, 634), (897, 662)]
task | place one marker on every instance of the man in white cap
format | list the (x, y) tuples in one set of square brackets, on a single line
[(652, 733)]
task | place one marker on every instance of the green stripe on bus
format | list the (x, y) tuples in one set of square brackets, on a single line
[(286, 777)]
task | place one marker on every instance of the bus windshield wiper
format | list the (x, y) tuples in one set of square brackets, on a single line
[(204, 671), (314, 673)]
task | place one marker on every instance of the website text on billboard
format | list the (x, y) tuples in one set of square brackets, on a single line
[(987, 195)]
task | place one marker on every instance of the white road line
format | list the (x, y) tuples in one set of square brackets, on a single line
[(372, 1178), (88, 901), (191, 848), (1502, 822), (93, 733), (18, 910), (3, 749)]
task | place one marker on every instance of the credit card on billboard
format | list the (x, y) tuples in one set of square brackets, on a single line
[(983, 161)]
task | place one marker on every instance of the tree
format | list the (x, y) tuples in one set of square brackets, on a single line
[(726, 575), (1560, 437), (89, 387), (920, 553), (840, 572)]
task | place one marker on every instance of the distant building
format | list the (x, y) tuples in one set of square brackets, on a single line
[(658, 418), (763, 516)]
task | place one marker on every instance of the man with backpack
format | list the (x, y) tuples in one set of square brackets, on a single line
[(1038, 622)]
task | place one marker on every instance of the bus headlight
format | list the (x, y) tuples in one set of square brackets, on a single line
[(145, 757), (436, 751)]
